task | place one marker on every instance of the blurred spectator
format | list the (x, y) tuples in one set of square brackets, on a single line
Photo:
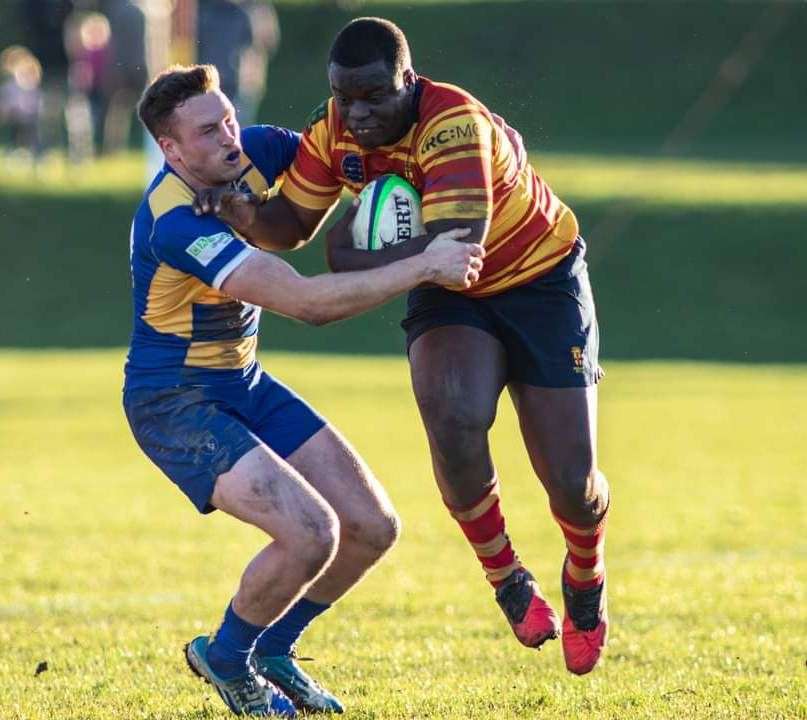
[(128, 74), (21, 98), (87, 39), (43, 27), (255, 59), (239, 37)]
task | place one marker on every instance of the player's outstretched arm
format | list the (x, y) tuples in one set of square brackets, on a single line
[(343, 257), (274, 224), (266, 280)]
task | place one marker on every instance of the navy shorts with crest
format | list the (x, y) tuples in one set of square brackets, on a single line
[(548, 326)]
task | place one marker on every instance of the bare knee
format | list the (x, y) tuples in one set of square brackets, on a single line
[(579, 494), (457, 426), (318, 539), (311, 540), (375, 534)]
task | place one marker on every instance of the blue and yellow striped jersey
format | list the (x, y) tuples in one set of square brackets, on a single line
[(186, 330)]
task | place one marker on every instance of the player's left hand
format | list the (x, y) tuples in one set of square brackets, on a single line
[(237, 209), (341, 233)]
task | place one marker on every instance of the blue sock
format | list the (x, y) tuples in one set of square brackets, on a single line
[(283, 633), (229, 651)]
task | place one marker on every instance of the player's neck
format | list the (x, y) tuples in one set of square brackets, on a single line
[(193, 181)]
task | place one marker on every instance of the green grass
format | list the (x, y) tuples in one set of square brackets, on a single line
[(105, 570)]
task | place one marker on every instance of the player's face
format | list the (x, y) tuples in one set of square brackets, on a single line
[(373, 101), (205, 140)]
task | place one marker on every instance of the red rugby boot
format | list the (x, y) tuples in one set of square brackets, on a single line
[(585, 626), (532, 619)]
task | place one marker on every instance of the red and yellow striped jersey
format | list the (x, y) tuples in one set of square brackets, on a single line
[(465, 163)]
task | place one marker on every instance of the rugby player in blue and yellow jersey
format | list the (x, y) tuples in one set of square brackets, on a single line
[(229, 435), (529, 324)]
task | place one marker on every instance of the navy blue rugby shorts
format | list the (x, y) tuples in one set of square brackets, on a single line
[(548, 327), (195, 433)]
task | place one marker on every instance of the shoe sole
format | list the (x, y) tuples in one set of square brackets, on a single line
[(539, 644), (193, 667)]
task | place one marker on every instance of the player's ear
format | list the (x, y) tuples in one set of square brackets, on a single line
[(169, 146), (410, 78)]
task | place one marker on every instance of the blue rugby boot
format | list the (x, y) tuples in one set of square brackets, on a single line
[(247, 694), (307, 695)]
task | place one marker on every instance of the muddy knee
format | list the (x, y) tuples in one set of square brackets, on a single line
[(374, 535)]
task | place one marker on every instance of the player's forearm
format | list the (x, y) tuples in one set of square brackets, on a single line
[(339, 296), (276, 227), (347, 259)]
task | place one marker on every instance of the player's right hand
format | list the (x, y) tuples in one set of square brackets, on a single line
[(456, 264), (237, 209)]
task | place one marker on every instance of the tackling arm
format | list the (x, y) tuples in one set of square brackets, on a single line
[(266, 280)]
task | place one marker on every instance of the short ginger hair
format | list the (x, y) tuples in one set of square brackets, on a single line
[(172, 87)]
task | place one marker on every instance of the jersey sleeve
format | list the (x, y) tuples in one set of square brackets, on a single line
[(201, 246), (271, 149), (455, 152), (310, 181)]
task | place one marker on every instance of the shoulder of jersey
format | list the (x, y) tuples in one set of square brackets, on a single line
[(319, 114), (441, 96)]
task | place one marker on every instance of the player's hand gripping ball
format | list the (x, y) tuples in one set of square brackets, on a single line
[(389, 213)]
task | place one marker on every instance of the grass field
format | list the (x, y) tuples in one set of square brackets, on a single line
[(105, 570)]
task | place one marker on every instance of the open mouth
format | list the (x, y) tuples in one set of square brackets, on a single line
[(233, 156)]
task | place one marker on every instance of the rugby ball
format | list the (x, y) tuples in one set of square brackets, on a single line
[(389, 213)]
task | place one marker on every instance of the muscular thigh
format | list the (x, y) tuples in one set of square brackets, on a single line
[(340, 475), (264, 490), (458, 373)]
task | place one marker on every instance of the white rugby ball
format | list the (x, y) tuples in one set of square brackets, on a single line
[(389, 213)]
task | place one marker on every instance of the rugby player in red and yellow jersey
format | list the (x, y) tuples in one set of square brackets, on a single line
[(529, 324)]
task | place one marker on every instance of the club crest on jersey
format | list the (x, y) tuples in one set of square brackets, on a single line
[(353, 168)]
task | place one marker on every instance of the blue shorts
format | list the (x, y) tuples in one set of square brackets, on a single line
[(548, 327), (197, 432)]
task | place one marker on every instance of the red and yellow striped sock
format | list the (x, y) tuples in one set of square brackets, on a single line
[(585, 563), (483, 526)]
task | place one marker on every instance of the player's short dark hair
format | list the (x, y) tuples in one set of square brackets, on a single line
[(368, 39), (172, 87)]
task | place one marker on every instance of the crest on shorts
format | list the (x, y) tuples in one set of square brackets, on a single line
[(353, 168), (577, 358)]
